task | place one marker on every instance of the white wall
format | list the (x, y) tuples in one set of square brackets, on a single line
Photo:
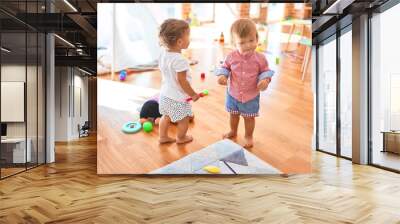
[(61, 103), (79, 117), (33, 127), (82, 82), (17, 73), (68, 83)]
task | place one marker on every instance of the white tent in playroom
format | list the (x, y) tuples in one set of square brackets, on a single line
[(135, 34)]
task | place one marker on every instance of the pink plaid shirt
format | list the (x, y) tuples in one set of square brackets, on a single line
[(244, 72)]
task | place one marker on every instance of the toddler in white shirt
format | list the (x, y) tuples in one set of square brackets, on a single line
[(175, 88)]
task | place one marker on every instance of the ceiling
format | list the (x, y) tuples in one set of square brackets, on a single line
[(331, 15), (74, 22)]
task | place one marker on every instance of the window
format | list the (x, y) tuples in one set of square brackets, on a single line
[(327, 96), (346, 94), (203, 12), (22, 67), (385, 89), (254, 10)]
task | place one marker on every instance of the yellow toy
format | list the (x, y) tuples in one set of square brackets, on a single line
[(212, 169), (260, 48)]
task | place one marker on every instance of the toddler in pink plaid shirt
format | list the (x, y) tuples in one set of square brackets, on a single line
[(247, 73)]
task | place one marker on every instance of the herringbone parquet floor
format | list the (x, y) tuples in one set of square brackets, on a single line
[(70, 191)]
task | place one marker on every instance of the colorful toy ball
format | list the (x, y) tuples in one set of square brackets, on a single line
[(147, 126), (203, 75), (122, 75)]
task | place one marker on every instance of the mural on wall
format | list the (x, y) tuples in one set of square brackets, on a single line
[(134, 112)]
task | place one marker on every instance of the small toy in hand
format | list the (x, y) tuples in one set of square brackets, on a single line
[(147, 126), (204, 93), (259, 49), (122, 75)]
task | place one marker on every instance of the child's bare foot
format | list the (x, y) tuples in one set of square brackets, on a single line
[(248, 142), (167, 139), (230, 134), (185, 139)]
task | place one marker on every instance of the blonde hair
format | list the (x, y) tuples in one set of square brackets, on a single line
[(243, 28), (171, 30)]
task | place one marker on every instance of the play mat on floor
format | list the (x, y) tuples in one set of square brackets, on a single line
[(222, 157)]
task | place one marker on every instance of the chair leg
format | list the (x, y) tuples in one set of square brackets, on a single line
[(306, 62), (292, 27)]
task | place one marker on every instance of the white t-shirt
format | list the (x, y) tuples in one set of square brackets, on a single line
[(170, 63)]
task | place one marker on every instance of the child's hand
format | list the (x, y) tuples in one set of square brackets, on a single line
[(263, 84), (195, 97), (157, 120), (142, 120), (222, 80)]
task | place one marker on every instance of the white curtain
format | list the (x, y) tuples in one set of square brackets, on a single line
[(135, 33), (136, 36)]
